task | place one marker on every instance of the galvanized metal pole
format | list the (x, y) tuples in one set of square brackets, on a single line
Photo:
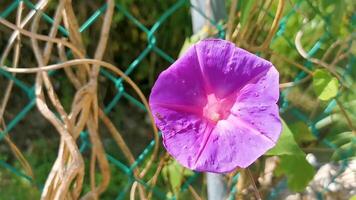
[(217, 189), (213, 9), (203, 9)]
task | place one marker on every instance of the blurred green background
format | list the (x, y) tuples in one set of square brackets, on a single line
[(318, 125)]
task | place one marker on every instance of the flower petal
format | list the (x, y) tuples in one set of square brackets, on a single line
[(261, 90), (181, 85), (256, 105), (227, 68), (232, 144), (183, 134), (198, 145), (264, 119), (216, 107)]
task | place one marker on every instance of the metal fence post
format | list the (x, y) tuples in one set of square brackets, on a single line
[(213, 9)]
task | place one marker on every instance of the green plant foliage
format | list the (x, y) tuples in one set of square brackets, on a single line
[(292, 161), (298, 171), (302, 132), (327, 26), (325, 85), (175, 174), (346, 145), (245, 7), (13, 187), (286, 144), (336, 9)]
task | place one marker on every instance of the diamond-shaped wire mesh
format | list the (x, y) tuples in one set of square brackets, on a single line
[(119, 165)]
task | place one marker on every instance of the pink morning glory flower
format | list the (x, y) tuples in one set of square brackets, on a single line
[(216, 107)]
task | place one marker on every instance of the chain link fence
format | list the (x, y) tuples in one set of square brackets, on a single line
[(124, 96)]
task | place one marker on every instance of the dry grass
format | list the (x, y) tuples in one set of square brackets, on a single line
[(65, 181)]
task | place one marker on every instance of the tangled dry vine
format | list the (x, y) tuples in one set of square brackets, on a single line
[(66, 177), (70, 54)]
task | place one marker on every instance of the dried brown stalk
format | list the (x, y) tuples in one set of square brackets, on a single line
[(244, 35), (230, 22), (66, 177), (15, 150), (103, 64)]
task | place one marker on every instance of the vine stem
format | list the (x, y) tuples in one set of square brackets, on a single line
[(257, 193), (348, 119)]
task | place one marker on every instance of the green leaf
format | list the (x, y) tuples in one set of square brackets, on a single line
[(298, 171), (325, 85), (175, 173), (292, 161), (286, 145), (302, 132)]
